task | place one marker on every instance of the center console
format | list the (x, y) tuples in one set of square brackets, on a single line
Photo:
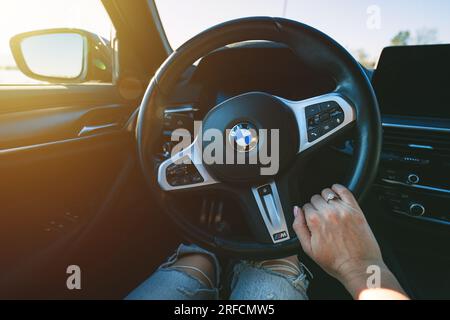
[(414, 175)]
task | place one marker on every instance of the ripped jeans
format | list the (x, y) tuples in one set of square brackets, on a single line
[(250, 281)]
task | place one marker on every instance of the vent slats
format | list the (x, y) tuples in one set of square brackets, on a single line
[(411, 139)]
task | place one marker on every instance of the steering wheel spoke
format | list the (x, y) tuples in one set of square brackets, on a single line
[(185, 171), (266, 212), (321, 117), (271, 210)]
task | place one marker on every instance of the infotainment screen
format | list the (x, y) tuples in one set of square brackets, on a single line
[(414, 81)]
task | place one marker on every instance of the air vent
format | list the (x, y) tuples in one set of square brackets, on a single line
[(421, 141)]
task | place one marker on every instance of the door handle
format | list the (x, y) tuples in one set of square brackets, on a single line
[(88, 130)]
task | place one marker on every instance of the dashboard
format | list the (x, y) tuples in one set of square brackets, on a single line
[(264, 66), (411, 84)]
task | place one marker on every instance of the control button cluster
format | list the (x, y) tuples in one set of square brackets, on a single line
[(173, 121), (322, 118), (175, 118), (183, 175)]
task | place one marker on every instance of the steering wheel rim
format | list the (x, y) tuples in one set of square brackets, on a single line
[(317, 50)]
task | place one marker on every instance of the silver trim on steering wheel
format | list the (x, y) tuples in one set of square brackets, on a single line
[(271, 210), (194, 155)]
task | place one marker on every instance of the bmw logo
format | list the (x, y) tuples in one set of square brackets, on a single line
[(243, 137)]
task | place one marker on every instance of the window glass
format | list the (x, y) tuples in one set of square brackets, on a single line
[(364, 27)]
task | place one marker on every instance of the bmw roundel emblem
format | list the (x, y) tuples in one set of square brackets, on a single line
[(243, 137)]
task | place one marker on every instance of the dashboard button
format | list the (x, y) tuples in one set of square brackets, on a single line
[(167, 149), (314, 134), (336, 122), (311, 111), (416, 210), (316, 119), (339, 117), (325, 117), (197, 178), (327, 127), (174, 182), (413, 178), (186, 180), (329, 106), (167, 120)]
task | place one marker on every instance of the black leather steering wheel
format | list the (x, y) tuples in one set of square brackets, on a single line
[(303, 127)]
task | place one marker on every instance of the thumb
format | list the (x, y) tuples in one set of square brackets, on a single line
[(302, 230)]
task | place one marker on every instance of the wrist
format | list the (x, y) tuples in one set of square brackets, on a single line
[(356, 281), (354, 276)]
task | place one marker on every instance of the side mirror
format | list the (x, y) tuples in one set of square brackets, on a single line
[(63, 56)]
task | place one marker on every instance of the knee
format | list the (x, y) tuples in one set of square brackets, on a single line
[(278, 279), (199, 266), (289, 266)]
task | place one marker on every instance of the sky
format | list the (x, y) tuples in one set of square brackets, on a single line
[(344, 20)]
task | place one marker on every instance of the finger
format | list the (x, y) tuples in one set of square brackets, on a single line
[(302, 230), (311, 215), (326, 193), (309, 209), (318, 202), (344, 194)]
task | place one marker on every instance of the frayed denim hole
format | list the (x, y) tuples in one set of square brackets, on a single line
[(192, 293), (300, 282), (203, 287)]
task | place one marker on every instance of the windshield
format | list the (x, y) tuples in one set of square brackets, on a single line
[(364, 27)]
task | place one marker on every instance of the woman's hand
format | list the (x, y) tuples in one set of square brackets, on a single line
[(333, 231)]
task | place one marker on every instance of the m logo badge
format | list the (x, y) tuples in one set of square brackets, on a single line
[(280, 236)]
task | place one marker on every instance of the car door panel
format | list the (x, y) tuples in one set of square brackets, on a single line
[(71, 190), (37, 127), (54, 179)]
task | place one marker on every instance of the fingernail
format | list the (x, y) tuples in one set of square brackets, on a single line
[(296, 211)]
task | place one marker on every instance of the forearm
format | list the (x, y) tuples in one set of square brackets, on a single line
[(390, 289)]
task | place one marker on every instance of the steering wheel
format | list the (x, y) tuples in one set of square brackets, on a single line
[(303, 126)]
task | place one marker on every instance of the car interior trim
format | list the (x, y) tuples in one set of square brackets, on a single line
[(415, 127), (271, 210), (417, 186)]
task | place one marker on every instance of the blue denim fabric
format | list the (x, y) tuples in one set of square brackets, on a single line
[(168, 283), (250, 281)]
